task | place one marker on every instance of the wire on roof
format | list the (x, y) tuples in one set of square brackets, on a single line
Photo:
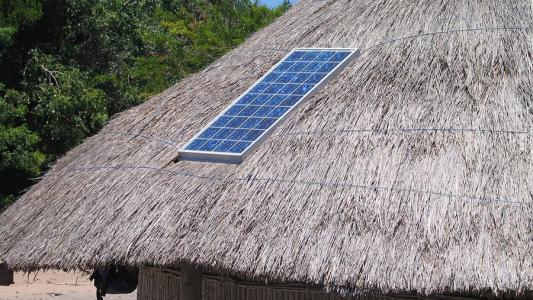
[(386, 130), (400, 38), (444, 32), (472, 199), (172, 143)]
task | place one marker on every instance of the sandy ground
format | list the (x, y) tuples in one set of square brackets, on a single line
[(54, 285)]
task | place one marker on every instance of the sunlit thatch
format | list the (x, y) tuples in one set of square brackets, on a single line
[(411, 171)]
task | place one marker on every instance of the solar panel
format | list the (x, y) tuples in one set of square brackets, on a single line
[(252, 116)]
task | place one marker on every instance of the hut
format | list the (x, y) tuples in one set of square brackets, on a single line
[(409, 174)]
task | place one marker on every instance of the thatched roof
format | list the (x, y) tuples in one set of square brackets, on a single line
[(411, 171)]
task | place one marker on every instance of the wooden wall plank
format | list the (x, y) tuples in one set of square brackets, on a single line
[(157, 284)]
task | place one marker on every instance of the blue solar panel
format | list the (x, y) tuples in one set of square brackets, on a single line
[(255, 113)]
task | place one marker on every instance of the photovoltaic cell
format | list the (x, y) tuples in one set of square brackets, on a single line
[(255, 113)]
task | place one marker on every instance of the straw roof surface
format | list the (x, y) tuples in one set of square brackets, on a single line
[(411, 171)]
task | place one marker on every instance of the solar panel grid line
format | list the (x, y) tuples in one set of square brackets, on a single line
[(250, 118)]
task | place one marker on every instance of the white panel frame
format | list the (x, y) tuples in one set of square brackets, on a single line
[(237, 158)]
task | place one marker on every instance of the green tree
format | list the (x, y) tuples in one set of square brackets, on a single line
[(14, 14), (65, 107), (20, 157)]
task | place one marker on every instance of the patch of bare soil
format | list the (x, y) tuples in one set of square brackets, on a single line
[(55, 285)]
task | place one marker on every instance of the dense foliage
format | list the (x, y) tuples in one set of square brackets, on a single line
[(68, 65)]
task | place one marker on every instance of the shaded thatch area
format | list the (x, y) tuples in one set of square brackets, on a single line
[(410, 171)]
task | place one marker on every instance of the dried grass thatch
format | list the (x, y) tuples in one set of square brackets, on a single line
[(411, 171)]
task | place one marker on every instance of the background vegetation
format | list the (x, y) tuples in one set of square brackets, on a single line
[(66, 66)]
